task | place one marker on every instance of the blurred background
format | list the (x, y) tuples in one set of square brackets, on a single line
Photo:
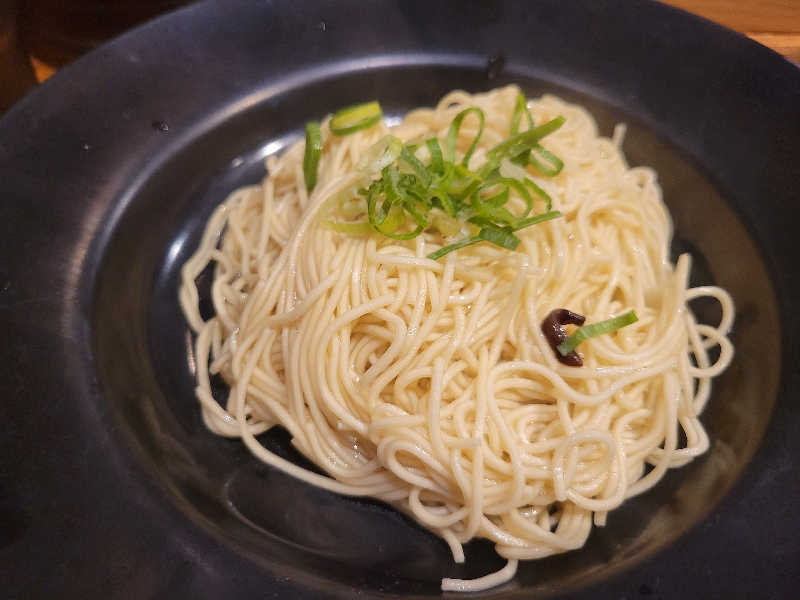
[(38, 37)]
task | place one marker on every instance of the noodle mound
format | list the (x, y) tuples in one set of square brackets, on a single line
[(429, 384)]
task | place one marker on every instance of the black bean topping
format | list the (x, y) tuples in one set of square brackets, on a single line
[(553, 330)]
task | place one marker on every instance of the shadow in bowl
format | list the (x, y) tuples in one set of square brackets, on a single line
[(143, 353)]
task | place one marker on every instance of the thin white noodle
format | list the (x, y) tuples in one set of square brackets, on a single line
[(428, 384)]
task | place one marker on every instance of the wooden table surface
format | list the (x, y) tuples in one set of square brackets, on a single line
[(774, 23)]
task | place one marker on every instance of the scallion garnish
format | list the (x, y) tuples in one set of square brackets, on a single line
[(355, 118), (437, 160), (512, 170), (522, 224), (520, 108), (550, 164), (460, 244), (380, 154), (522, 142), (440, 191), (452, 135), (500, 236), (516, 116), (312, 154), (589, 331), (535, 220)]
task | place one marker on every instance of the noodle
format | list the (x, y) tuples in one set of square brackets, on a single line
[(429, 384)]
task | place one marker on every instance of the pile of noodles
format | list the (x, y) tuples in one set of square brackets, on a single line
[(429, 384)]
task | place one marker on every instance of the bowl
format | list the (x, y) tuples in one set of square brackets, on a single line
[(117, 164)]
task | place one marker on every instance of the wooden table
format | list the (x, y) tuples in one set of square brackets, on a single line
[(774, 23)]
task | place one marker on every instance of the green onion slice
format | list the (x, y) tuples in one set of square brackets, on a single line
[(383, 152), (498, 199), (512, 170), (523, 223), (400, 196), (500, 236), (344, 205), (589, 331), (489, 212), (437, 162), (448, 249), (520, 108), (439, 195), (459, 181), (446, 224), (452, 135), (389, 229), (355, 118), (550, 164), (522, 142), (312, 154), (541, 193), (518, 187), (420, 170)]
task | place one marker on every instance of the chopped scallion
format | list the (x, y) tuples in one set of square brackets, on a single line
[(520, 108), (312, 154), (589, 331), (355, 118), (517, 144), (383, 152), (452, 135), (551, 165), (500, 236), (448, 249), (416, 165), (437, 162), (523, 223), (439, 191)]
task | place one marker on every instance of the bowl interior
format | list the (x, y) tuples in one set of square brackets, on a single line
[(143, 351)]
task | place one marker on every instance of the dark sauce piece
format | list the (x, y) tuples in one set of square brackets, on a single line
[(495, 65), (553, 330)]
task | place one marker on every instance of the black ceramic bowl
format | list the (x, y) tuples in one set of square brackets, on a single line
[(109, 172)]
